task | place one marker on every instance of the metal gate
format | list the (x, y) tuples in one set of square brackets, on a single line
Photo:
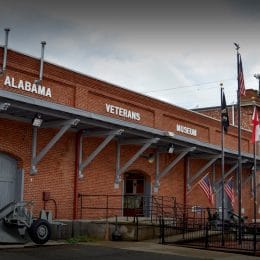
[(11, 180)]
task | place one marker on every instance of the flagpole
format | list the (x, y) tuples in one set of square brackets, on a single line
[(254, 184), (254, 192), (239, 145), (222, 171)]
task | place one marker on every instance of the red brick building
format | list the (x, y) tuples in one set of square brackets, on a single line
[(96, 138), (247, 106), (248, 102)]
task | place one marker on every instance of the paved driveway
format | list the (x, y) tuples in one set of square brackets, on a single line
[(82, 252), (109, 250)]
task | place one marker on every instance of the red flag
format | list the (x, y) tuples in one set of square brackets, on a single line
[(206, 187), (256, 128), (241, 81)]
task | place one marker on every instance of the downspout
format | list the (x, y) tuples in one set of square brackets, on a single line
[(75, 193), (185, 182)]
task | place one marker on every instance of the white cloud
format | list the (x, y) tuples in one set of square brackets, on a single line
[(144, 48)]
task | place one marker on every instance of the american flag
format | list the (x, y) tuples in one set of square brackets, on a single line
[(229, 189), (206, 187), (241, 83)]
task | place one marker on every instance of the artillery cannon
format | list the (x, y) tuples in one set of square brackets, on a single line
[(17, 224)]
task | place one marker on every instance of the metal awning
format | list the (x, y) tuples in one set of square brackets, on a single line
[(23, 108)]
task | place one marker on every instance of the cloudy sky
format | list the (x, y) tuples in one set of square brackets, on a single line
[(176, 51)]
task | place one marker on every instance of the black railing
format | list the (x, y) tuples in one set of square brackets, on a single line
[(201, 227), (105, 206), (173, 222)]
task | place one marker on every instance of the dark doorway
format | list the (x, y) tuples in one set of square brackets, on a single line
[(134, 194)]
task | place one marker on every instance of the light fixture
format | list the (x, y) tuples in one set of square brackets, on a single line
[(37, 120), (170, 134), (4, 106), (150, 157), (170, 148)]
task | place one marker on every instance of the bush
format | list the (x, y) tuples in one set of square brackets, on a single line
[(79, 239)]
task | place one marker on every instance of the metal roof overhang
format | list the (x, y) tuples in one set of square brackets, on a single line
[(23, 108)]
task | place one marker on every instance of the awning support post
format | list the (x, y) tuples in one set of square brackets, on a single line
[(204, 168), (188, 174), (175, 161), (119, 170), (37, 158), (169, 166), (228, 173), (91, 157), (118, 156), (157, 172)]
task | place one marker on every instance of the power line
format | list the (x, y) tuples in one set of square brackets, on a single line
[(190, 86)]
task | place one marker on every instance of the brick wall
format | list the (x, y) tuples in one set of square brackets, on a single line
[(56, 171), (90, 94)]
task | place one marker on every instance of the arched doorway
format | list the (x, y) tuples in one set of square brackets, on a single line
[(11, 180), (137, 192)]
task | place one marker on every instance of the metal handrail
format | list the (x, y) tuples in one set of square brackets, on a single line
[(129, 205)]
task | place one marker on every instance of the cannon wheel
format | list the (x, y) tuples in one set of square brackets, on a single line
[(40, 231)]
